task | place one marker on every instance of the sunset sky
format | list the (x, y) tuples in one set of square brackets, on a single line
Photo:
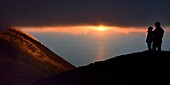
[(120, 13), (84, 31)]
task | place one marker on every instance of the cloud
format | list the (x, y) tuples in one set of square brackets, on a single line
[(77, 12)]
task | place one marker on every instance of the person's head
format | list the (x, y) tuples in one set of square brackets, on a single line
[(150, 28), (157, 24)]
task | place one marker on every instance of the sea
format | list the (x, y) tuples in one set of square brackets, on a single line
[(85, 45)]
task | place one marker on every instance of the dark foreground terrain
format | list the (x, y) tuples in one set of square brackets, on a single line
[(142, 68)]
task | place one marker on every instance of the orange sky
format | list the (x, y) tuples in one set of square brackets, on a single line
[(83, 29)]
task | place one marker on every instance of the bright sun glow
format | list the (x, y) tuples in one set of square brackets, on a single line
[(101, 28)]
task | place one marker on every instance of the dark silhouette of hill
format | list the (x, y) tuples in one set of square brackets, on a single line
[(142, 68), (24, 60)]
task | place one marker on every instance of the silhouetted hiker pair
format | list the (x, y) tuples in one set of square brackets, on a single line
[(154, 38)]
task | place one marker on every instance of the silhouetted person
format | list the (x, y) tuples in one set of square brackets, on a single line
[(158, 35), (149, 38)]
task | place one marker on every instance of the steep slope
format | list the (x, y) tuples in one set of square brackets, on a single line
[(24, 60), (142, 68)]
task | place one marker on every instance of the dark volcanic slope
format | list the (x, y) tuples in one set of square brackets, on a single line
[(143, 68), (24, 60)]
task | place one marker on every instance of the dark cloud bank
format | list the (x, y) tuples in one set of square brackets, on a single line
[(76, 12)]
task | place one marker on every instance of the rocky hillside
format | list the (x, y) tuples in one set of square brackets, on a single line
[(24, 60)]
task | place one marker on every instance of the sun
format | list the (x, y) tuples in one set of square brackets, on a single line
[(101, 28)]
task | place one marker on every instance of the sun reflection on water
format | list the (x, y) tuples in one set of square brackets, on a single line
[(100, 53)]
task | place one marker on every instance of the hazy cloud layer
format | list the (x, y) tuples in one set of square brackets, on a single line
[(76, 12)]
